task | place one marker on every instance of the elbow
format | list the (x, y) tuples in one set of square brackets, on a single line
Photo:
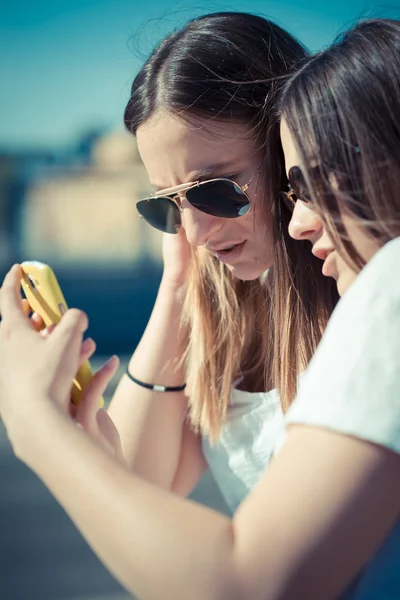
[(230, 582)]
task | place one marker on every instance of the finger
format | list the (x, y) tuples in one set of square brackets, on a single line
[(89, 404), (47, 331), (85, 414), (109, 432), (26, 307), (69, 332), (64, 345), (101, 379), (37, 322), (88, 348), (72, 409), (10, 299)]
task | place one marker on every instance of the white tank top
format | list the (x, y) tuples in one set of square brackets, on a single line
[(254, 426)]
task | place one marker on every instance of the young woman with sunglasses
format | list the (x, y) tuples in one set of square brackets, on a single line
[(341, 138), (203, 111), (227, 330), (322, 522)]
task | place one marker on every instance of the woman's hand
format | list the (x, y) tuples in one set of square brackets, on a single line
[(34, 366), (94, 420), (176, 256), (39, 369)]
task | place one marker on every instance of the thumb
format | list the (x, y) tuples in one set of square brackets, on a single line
[(64, 346), (69, 331), (10, 299)]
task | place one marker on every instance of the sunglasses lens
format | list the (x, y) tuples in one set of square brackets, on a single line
[(298, 183), (220, 198), (161, 213)]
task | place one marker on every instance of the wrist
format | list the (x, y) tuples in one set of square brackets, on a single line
[(27, 429), (173, 284), (155, 387)]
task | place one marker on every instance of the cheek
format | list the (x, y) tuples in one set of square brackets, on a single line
[(257, 226), (368, 248), (262, 220), (345, 274), (259, 232), (364, 244)]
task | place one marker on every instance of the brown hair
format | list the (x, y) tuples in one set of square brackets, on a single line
[(230, 66), (343, 110)]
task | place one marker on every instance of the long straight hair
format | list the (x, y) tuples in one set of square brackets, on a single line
[(343, 110), (230, 67)]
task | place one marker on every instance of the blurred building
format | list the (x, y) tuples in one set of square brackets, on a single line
[(85, 212), (75, 210)]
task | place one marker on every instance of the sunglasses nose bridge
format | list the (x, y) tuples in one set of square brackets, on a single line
[(177, 198)]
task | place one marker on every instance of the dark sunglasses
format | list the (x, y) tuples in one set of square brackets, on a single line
[(297, 188), (218, 197)]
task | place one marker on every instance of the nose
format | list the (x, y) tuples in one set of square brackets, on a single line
[(305, 224), (200, 227)]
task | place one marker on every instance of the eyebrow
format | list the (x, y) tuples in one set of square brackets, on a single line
[(215, 170)]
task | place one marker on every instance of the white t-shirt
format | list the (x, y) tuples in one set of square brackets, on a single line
[(352, 386), (253, 426)]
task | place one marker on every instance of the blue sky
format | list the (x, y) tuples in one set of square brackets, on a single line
[(67, 65)]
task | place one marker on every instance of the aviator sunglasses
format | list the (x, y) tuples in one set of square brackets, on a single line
[(219, 197)]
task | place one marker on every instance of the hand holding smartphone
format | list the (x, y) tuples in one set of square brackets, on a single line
[(45, 297)]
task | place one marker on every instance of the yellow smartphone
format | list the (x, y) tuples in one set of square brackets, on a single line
[(45, 297)]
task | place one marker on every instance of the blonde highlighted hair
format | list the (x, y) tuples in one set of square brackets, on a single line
[(260, 334)]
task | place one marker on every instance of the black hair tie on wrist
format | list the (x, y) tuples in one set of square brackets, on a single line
[(155, 387)]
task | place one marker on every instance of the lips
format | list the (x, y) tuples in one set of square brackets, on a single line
[(230, 256), (329, 266), (225, 247)]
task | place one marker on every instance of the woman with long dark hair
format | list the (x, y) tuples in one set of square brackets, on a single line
[(341, 137)]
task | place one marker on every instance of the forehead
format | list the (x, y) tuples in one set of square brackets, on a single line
[(172, 148)]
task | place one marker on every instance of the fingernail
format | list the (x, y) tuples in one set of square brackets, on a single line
[(79, 318), (47, 330), (88, 344), (111, 361), (13, 271)]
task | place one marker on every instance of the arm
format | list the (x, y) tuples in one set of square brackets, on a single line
[(152, 425), (155, 436), (326, 498)]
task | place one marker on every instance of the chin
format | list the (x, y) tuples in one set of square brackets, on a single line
[(247, 272), (344, 281)]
